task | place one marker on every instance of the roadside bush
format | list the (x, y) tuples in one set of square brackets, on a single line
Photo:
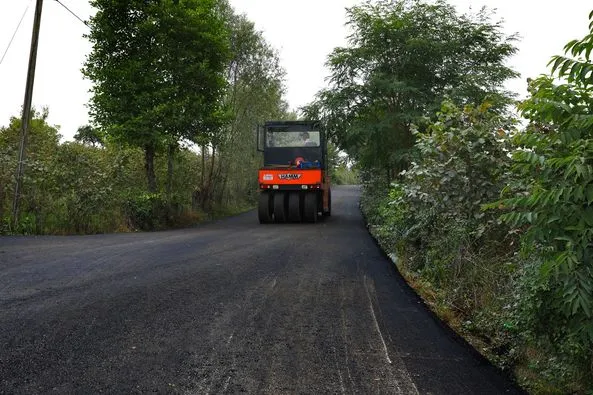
[(344, 175), (463, 164), (86, 194), (521, 282), (154, 211), (432, 218), (146, 211), (552, 206), (38, 188)]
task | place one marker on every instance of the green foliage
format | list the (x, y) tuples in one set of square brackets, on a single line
[(341, 171), (463, 164), (404, 57), (88, 135), (98, 183), (84, 189), (405, 95), (254, 95), (149, 211), (522, 288), (157, 73), (552, 206), (345, 174), (460, 257), (38, 190)]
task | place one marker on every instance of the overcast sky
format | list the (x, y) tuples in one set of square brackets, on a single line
[(304, 32)]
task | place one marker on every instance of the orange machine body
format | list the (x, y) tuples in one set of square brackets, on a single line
[(290, 176)]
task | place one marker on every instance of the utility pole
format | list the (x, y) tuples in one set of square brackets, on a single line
[(26, 111)]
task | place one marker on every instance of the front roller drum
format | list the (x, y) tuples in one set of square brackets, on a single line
[(294, 207), (311, 206), (280, 207), (264, 209)]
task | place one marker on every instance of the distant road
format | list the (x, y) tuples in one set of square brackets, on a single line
[(226, 307)]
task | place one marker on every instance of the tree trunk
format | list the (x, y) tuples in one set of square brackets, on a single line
[(149, 153), (210, 178), (197, 198), (170, 156), (2, 194), (203, 166), (222, 174), (221, 195), (207, 195)]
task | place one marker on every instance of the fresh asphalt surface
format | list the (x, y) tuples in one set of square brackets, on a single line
[(226, 307)]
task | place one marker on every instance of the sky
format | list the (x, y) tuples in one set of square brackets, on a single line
[(304, 32)]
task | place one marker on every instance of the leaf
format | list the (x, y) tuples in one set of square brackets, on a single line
[(575, 71), (566, 64), (566, 238), (589, 193), (588, 216), (583, 73), (529, 217), (556, 60)]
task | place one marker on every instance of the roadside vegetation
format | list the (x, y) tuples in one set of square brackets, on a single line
[(178, 87), (490, 220)]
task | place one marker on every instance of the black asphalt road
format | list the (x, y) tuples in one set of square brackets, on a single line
[(227, 307)]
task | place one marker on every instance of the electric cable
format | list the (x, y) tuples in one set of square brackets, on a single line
[(15, 31), (70, 11)]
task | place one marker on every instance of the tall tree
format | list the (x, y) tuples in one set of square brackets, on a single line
[(404, 57), (157, 70), (255, 93), (86, 134)]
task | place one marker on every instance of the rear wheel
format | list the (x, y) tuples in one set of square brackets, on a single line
[(264, 210), (294, 207), (280, 209), (310, 207)]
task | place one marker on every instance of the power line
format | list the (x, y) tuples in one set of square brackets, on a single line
[(15, 31), (70, 11)]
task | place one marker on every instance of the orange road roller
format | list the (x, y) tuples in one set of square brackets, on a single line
[(294, 181)]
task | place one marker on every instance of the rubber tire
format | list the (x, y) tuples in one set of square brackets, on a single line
[(310, 207), (280, 209), (294, 207), (264, 209)]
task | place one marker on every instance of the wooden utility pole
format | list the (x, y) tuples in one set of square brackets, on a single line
[(26, 111)]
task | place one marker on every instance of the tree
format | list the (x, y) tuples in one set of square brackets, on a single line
[(38, 188), (404, 57), (255, 88), (88, 135), (157, 72)]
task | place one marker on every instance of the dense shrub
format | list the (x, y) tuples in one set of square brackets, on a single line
[(523, 281), (551, 204), (432, 218), (88, 188)]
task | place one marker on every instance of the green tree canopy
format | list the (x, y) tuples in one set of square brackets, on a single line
[(404, 57), (157, 66), (86, 134)]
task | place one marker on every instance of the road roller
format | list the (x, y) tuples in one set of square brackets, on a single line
[(294, 181)]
